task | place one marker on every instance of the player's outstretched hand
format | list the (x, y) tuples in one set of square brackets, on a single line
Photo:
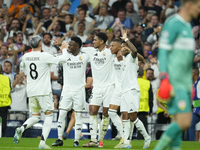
[(56, 42), (124, 34), (64, 45), (166, 91)]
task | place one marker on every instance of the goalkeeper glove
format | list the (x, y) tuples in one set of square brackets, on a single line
[(166, 90)]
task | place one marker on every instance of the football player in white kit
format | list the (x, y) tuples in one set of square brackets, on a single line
[(131, 96), (101, 60), (73, 93), (37, 66)]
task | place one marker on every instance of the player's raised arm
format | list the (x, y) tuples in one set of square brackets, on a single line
[(130, 45)]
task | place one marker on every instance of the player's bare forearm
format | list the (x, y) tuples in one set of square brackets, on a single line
[(141, 58), (132, 48)]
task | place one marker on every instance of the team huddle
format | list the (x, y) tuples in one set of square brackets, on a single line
[(115, 85)]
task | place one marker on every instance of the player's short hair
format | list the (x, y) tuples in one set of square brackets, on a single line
[(196, 69), (77, 40), (140, 72), (102, 36), (8, 62), (48, 34), (150, 69), (1, 69), (35, 40), (185, 1), (118, 41)]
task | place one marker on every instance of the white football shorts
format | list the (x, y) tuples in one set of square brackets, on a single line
[(73, 100), (43, 102), (130, 101), (116, 98), (101, 95)]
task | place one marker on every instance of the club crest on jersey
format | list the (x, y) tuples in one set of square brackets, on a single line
[(80, 58), (104, 54), (181, 105)]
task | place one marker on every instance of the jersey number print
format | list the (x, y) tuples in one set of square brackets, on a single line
[(33, 72)]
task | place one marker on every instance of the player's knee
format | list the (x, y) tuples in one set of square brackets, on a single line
[(37, 117), (112, 113), (185, 124), (78, 117)]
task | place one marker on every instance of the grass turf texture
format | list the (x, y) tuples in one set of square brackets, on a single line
[(32, 144)]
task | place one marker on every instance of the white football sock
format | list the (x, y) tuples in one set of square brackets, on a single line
[(116, 121), (46, 128), (104, 127), (61, 122), (93, 127), (140, 127), (30, 122), (126, 125), (131, 130), (78, 125)]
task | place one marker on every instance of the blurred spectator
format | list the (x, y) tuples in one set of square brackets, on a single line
[(88, 43), (139, 32), (8, 71), (153, 9), (80, 33), (17, 6), (146, 49), (103, 20), (4, 19), (126, 22), (116, 6), (96, 9), (35, 5), (18, 46), (81, 18), (155, 82), (110, 34), (47, 46), (162, 117), (19, 99), (5, 99), (56, 99), (45, 15), (196, 104), (154, 37), (64, 9), (68, 21), (4, 56), (131, 13), (168, 10), (142, 14), (1, 3), (153, 25), (146, 100), (55, 28), (51, 3), (14, 28)]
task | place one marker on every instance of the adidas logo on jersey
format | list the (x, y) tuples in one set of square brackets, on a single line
[(96, 54), (131, 110), (78, 129), (69, 59)]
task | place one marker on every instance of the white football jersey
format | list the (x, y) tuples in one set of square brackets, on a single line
[(74, 71), (129, 75), (102, 66), (37, 66), (118, 69)]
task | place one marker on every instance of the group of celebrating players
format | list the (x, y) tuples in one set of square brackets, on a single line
[(115, 85)]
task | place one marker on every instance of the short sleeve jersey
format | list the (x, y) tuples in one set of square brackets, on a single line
[(118, 69), (102, 66), (177, 39), (129, 74), (37, 66), (74, 71)]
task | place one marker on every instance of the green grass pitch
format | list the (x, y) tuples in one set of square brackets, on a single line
[(32, 144)]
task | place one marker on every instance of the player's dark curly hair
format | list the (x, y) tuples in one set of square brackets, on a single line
[(102, 36), (77, 40)]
